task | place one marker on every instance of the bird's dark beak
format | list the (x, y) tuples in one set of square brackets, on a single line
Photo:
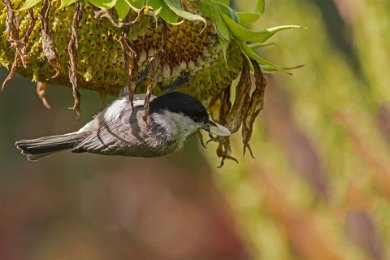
[(216, 129)]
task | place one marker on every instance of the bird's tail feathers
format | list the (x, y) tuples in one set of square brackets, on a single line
[(41, 147)]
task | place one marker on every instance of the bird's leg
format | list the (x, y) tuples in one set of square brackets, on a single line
[(224, 151), (222, 106), (200, 136)]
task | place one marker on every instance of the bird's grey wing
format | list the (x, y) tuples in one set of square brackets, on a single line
[(116, 136), (112, 113)]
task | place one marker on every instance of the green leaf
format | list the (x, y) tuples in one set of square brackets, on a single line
[(28, 4), (226, 2), (244, 34), (136, 5), (253, 55), (254, 46), (122, 8), (225, 9), (103, 4), (260, 7), (222, 29), (213, 12), (269, 69), (247, 18), (155, 4), (175, 6), (65, 3), (168, 15), (262, 36), (225, 45)]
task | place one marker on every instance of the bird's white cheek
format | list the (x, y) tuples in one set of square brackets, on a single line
[(176, 125), (166, 122), (186, 125)]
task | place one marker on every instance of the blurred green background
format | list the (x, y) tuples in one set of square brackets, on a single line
[(319, 187)]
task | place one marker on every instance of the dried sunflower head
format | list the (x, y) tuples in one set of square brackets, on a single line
[(194, 46)]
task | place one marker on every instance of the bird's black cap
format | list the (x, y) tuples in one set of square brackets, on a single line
[(180, 103)]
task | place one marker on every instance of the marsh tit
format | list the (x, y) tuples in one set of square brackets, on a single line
[(119, 130)]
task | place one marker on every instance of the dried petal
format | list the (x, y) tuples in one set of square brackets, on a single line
[(131, 56), (12, 71), (12, 22), (155, 69), (72, 51), (241, 101), (12, 25), (131, 64), (226, 106), (256, 105), (41, 89), (48, 46), (30, 27), (12, 29)]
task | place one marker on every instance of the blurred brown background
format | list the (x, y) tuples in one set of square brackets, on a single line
[(98, 207), (318, 189)]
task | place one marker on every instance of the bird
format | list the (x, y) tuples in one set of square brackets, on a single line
[(121, 129)]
